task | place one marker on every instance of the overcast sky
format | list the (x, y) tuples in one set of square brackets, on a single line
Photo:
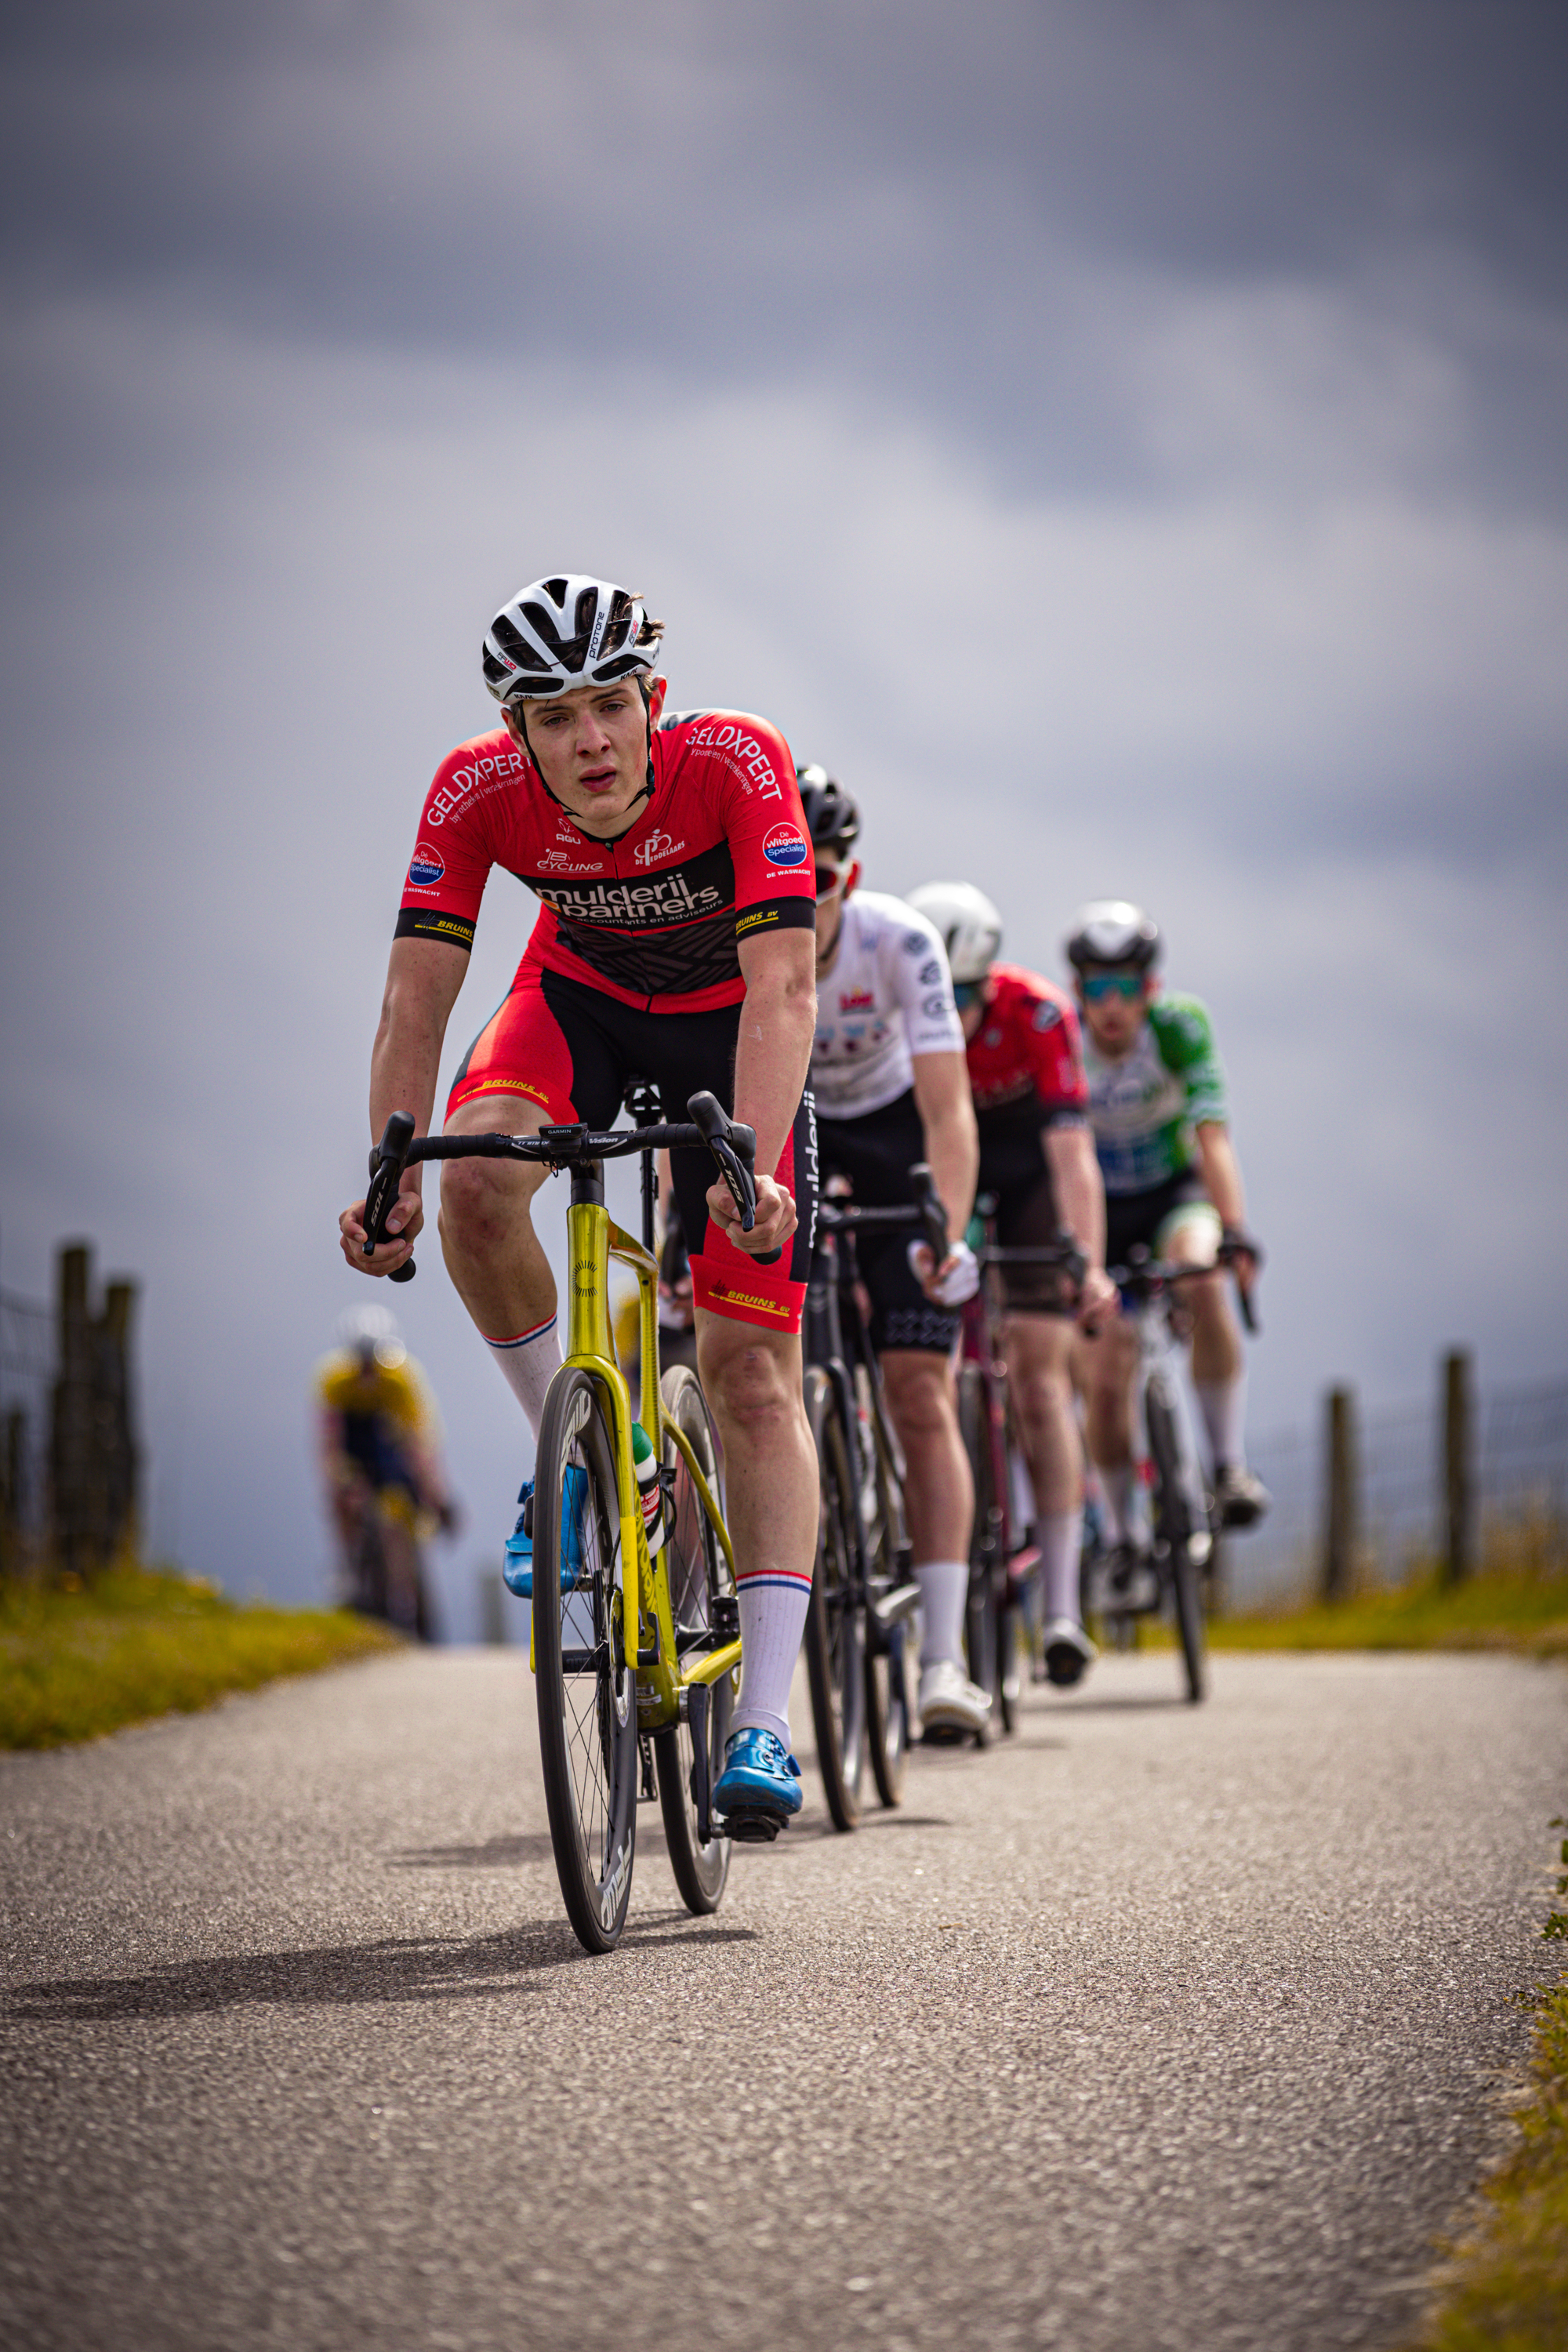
[(1125, 442)]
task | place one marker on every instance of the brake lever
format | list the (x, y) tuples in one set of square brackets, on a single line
[(387, 1160), (734, 1149), (934, 1216)]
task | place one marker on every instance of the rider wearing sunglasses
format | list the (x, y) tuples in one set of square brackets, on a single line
[(1158, 1107), (888, 1073)]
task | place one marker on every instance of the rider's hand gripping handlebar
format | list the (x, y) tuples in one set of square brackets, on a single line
[(734, 1147), (934, 1216), (387, 1160)]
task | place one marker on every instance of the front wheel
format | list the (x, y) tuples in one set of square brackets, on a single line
[(583, 1685), (699, 1577), (835, 1631), (1173, 1530)]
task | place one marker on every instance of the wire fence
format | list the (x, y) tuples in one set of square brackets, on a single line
[(1520, 1474)]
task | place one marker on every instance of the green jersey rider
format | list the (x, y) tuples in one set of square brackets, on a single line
[(1159, 1110)]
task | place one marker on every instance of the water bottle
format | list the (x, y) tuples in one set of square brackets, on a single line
[(649, 1492)]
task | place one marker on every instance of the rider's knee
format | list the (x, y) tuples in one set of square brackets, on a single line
[(479, 1204), (748, 1384), (919, 1393)]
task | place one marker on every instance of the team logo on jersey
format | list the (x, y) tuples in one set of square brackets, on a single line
[(785, 847), (426, 868), (657, 845), (934, 1007), (1045, 1014), (931, 973), (556, 861), (860, 1000)]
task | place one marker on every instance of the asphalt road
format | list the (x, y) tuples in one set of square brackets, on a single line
[(1161, 2027)]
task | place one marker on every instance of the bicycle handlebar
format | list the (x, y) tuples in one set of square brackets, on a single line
[(925, 1210), (1144, 1276), (732, 1145)]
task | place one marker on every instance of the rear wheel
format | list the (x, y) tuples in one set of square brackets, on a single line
[(834, 1633), (1174, 1531), (699, 1576), (979, 1618), (587, 1707)]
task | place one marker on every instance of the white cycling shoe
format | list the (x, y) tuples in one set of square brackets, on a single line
[(1069, 1652), (949, 1701)]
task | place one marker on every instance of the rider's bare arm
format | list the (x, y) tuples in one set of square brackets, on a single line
[(945, 1101), (1081, 1202), (423, 977), (1222, 1182), (778, 1021)]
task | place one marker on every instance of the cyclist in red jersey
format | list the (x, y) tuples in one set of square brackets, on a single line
[(1037, 1159), (674, 940)]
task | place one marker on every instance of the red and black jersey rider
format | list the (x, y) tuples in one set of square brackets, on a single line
[(674, 940)]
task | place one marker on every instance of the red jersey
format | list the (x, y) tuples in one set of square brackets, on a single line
[(721, 853), (1026, 1054)]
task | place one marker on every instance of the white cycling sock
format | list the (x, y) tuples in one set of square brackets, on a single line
[(773, 1619), (944, 1587), (1223, 1404), (1060, 1538), (529, 1363), (1118, 1498)]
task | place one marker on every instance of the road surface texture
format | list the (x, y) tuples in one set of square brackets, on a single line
[(1160, 2026)]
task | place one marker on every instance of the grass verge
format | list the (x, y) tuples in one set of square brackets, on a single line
[(134, 1644), (1501, 1610), (1507, 2289)]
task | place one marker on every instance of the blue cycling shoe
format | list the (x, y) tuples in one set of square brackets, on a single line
[(761, 1779), (517, 1560)]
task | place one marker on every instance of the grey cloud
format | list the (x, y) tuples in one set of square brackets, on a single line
[(959, 214)]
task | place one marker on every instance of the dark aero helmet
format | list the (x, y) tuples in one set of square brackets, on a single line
[(565, 632), (832, 818), (1112, 930)]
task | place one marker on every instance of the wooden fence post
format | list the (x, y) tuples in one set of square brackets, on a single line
[(1459, 1485), (1340, 1498), (116, 1419), (14, 1505), (71, 1433)]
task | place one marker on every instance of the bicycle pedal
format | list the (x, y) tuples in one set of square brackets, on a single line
[(750, 1828), (944, 1735), (725, 1617)]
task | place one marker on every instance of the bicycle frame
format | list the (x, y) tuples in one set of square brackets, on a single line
[(1159, 1361), (592, 1238)]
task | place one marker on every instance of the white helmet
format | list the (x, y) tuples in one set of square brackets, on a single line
[(565, 632), (1112, 930), (372, 1330), (970, 926)]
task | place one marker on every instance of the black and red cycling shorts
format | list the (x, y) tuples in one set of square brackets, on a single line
[(569, 1050)]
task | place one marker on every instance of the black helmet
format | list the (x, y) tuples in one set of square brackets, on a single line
[(832, 818), (1111, 930)]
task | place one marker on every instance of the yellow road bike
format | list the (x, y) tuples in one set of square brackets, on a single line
[(636, 1654)]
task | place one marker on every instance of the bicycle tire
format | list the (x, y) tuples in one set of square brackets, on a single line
[(980, 1631), (584, 1688), (1172, 1528), (699, 1574), (888, 1713), (1009, 1695), (835, 1647)]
